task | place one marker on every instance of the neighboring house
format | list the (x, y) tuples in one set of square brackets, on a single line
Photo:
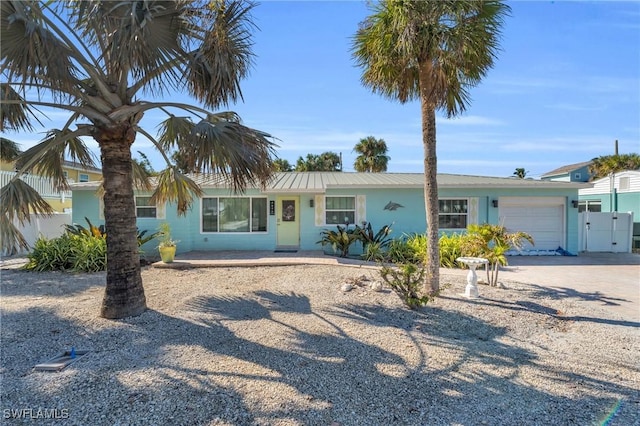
[(295, 207), (617, 193), (59, 201), (578, 172)]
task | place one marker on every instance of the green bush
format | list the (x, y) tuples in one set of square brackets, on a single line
[(340, 240), (69, 252), (399, 252), (89, 254), (51, 255), (451, 249), (406, 280)]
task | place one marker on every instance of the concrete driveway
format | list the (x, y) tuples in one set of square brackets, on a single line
[(611, 280)]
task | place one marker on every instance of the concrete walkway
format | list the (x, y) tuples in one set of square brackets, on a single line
[(611, 280)]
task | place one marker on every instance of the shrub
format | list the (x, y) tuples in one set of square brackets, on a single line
[(340, 240), (399, 252), (451, 249), (79, 249), (69, 252), (417, 244), (373, 252), (89, 254), (492, 242), (51, 255), (367, 237), (406, 280)]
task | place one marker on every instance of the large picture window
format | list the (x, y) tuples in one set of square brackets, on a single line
[(453, 214), (340, 210), (144, 208), (234, 214)]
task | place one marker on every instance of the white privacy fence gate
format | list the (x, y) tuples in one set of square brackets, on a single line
[(605, 232)]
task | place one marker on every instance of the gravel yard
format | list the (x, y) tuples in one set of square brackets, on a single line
[(283, 345)]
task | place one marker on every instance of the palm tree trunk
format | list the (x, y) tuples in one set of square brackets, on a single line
[(124, 294), (432, 275)]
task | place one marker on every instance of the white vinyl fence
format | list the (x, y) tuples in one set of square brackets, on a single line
[(605, 232), (48, 227)]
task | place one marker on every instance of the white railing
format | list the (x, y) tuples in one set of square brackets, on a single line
[(41, 184)]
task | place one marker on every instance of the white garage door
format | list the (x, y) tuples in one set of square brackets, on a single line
[(541, 217)]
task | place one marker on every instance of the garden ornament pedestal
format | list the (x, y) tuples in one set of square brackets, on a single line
[(471, 291)]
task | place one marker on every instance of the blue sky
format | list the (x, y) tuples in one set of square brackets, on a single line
[(565, 86)]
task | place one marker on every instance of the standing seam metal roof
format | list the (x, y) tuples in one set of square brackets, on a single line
[(319, 182)]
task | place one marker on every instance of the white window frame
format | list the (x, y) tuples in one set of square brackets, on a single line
[(454, 213), (577, 175), (82, 177), (354, 210), (145, 207), (250, 231), (583, 205)]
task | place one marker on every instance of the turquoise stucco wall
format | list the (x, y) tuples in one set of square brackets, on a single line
[(409, 219)]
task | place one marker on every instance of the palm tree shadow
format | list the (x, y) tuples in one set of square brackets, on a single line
[(212, 364), (56, 284), (571, 293)]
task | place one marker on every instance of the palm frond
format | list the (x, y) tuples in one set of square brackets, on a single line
[(15, 113), (239, 153), (141, 177), (224, 57), (31, 53), (174, 131), (18, 200), (47, 157), (11, 239), (9, 149), (176, 188)]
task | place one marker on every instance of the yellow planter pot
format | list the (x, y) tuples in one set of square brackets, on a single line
[(167, 254)]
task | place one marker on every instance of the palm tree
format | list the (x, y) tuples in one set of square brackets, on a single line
[(326, 162), (282, 165), (96, 60), (607, 164), (520, 173), (432, 51), (372, 156)]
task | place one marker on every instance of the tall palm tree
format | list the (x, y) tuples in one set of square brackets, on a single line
[(96, 60), (434, 52), (372, 156)]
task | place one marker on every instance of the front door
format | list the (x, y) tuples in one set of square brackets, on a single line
[(288, 220)]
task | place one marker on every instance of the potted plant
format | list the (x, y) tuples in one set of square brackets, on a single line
[(167, 245)]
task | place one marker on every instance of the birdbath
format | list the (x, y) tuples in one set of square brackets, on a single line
[(471, 291)]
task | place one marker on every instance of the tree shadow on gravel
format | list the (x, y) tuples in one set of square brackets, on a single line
[(217, 363), (555, 293), (571, 293), (62, 284)]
